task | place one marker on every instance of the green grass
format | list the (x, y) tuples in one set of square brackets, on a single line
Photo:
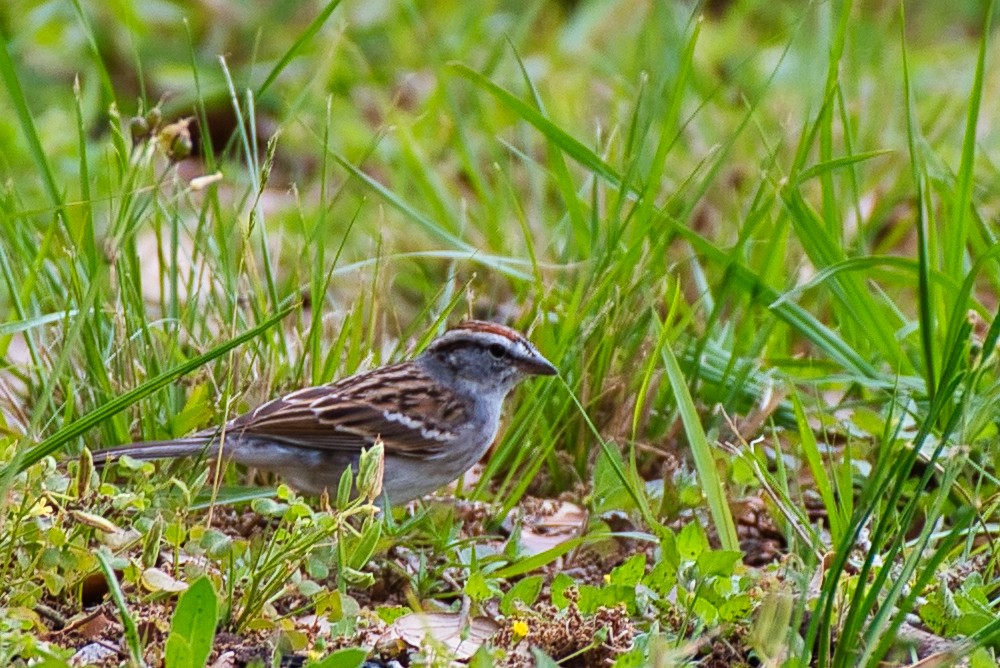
[(757, 241)]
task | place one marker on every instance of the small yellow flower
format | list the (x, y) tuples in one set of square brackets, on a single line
[(519, 628), (41, 509), (607, 578)]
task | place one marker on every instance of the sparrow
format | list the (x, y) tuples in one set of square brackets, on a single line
[(436, 415)]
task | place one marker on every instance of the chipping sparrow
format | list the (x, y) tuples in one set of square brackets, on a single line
[(436, 414)]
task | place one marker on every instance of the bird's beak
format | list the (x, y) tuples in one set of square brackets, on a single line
[(537, 365)]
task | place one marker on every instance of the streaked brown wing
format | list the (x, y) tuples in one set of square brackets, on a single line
[(350, 414)]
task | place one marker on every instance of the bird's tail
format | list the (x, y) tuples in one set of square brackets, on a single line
[(192, 446)]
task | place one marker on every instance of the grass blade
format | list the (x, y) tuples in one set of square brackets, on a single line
[(78, 427), (701, 451)]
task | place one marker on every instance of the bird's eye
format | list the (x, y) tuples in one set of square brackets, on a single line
[(497, 351)]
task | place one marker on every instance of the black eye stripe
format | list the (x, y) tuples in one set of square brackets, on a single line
[(511, 343)]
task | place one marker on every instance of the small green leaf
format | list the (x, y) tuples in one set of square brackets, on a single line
[(349, 657), (981, 659), (318, 566), (541, 659), (344, 487), (662, 578), (560, 583), (705, 611), (477, 588), (390, 613), (609, 492), (669, 551), (268, 507), (592, 598), (630, 572), (526, 591), (215, 543), (691, 541), (718, 562), (634, 658), (933, 616), (737, 608), (361, 551), (151, 543), (482, 658), (357, 578), (309, 588), (179, 653), (196, 412), (338, 606), (192, 628)]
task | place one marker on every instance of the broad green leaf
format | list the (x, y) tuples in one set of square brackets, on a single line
[(348, 657), (192, 628), (630, 572), (524, 591), (560, 583), (718, 563), (608, 596), (662, 578), (477, 588), (691, 541)]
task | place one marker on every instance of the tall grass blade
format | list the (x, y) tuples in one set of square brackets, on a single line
[(80, 426), (701, 451)]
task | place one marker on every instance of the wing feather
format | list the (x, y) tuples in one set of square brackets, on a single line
[(350, 414)]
